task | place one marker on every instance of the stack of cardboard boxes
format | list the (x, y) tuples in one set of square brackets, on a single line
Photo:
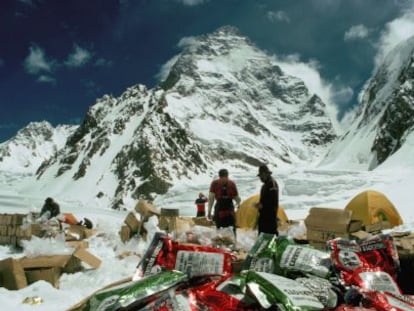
[(324, 224), (17, 273), (12, 230), (131, 227)]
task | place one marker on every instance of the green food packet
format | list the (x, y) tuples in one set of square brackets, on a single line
[(261, 257), (297, 260), (133, 292), (322, 289), (234, 287), (274, 290)]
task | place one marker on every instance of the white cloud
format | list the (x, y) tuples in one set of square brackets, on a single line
[(279, 16), (192, 2), (342, 95), (37, 62), (78, 57), (166, 68), (356, 32), (187, 41), (309, 73), (102, 62), (46, 79), (395, 32)]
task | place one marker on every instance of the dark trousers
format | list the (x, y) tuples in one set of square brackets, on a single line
[(224, 215), (267, 223)]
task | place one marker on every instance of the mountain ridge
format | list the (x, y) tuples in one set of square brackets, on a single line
[(385, 116), (222, 100)]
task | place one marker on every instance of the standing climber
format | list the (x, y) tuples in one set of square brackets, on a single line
[(223, 190), (200, 203)]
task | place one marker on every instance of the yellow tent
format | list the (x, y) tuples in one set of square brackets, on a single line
[(246, 215), (371, 206)]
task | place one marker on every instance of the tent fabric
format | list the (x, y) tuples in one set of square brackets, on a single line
[(371, 207), (247, 214)]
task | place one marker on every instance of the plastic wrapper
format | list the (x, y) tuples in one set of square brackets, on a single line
[(293, 259), (352, 308), (194, 260), (166, 302), (137, 293), (272, 290), (213, 295), (233, 286), (262, 255), (376, 252), (375, 280), (388, 302), (34, 300), (322, 289)]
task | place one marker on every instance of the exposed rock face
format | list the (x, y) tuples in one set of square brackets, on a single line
[(386, 114), (222, 99), (33, 144)]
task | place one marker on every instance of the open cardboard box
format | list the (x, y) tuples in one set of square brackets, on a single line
[(78, 232), (323, 224), (17, 273)]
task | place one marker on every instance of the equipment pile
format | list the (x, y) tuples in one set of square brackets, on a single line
[(341, 267), (19, 271)]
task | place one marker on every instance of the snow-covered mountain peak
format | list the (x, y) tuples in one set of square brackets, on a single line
[(223, 100), (32, 145), (386, 114), (222, 79)]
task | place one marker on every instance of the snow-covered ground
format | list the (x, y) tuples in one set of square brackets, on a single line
[(300, 190)]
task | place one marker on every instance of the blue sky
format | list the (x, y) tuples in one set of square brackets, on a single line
[(58, 56)]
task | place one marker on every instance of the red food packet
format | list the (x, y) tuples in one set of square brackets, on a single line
[(388, 301), (376, 252), (207, 297), (194, 260), (375, 280), (352, 308)]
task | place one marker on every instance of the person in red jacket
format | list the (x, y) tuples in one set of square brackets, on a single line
[(200, 202), (223, 190)]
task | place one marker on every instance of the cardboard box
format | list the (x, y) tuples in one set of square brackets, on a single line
[(125, 233), (68, 263), (132, 222), (183, 224), (36, 230), (89, 232), (17, 273), (75, 233), (323, 224), (378, 227), (146, 209), (175, 224), (50, 275), (12, 274), (203, 221), (88, 258), (44, 261), (77, 244)]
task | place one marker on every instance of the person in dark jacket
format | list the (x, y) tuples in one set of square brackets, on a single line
[(223, 190), (269, 202), (50, 209), (200, 202)]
